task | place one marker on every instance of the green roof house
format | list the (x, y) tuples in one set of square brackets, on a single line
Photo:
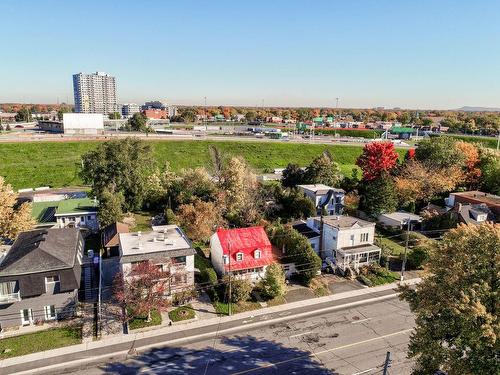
[(66, 213)]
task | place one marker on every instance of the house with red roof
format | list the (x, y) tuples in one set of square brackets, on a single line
[(244, 251)]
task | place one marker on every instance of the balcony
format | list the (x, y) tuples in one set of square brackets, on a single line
[(10, 298)]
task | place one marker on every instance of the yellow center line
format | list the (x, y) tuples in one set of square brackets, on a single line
[(322, 352)]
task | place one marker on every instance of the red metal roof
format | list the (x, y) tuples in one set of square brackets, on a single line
[(246, 241)]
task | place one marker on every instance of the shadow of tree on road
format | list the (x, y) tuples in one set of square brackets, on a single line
[(246, 354)]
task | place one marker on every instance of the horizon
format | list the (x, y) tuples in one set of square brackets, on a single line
[(408, 56)]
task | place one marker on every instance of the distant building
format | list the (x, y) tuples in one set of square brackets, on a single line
[(399, 220), (40, 277), (244, 252), (95, 93), (129, 109), (172, 111), (83, 123), (472, 213), (156, 114), (51, 126), (319, 193), (154, 104)]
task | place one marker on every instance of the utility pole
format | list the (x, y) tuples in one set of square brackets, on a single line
[(387, 363), (205, 114), (498, 141), (406, 249)]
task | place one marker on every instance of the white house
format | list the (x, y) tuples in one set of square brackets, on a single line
[(399, 220), (319, 194), (165, 246), (244, 252), (83, 123), (346, 240)]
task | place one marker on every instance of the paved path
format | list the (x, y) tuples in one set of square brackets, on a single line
[(118, 347)]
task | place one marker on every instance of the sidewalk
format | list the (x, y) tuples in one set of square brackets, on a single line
[(199, 328)]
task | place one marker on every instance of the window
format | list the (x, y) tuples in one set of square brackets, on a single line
[(82, 219), (52, 279), (63, 220), (225, 259), (50, 312), (257, 254), (313, 245), (26, 317), (9, 287), (351, 240), (239, 257), (179, 260), (89, 217), (364, 237)]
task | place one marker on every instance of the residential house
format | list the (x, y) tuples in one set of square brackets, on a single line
[(472, 213), (40, 276), (244, 251), (345, 240), (399, 220), (67, 213), (167, 247), (331, 198), (110, 240), (475, 197)]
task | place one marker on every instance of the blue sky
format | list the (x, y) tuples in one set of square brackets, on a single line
[(405, 53)]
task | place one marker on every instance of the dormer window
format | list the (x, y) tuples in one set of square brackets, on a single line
[(225, 259), (239, 257), (257, 254)]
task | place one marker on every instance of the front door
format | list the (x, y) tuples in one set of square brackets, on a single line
[(26, 317)]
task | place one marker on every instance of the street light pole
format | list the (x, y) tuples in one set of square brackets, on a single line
[(229, 294)]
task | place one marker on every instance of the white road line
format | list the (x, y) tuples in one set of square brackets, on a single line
[(365, 371), (301, 334), (322, 352), (360, 321)]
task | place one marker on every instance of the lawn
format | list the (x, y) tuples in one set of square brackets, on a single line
[(56, 164), (142, 221), (141, 322), (374, 276), (223, 308), (182, 313), (390, 244), (40, 341)]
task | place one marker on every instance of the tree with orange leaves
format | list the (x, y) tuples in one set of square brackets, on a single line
[(471, 169)]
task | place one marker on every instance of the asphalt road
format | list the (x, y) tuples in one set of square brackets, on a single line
[(349, 341)]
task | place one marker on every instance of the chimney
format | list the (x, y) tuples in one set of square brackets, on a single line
[(459, 207)]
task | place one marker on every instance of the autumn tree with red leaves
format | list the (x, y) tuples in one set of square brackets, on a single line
[(377, 158), (143, 289)]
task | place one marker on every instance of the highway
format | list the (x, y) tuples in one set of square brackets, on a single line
[(351, 341)]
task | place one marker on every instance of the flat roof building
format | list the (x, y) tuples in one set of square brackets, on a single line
[(95, 93)]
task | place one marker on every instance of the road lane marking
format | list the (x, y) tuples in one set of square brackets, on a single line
[(361, 321), (301, 334), (322, 352), (365, 371)]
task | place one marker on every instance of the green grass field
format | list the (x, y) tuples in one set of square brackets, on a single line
[(56, 164)]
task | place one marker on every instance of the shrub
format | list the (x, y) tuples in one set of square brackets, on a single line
[(417, 257), (240, 289), (208, 275), (273, 284)]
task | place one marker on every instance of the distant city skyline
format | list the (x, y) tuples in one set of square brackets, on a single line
[(411, 55)]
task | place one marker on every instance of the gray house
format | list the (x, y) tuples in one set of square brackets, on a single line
[(331, 198), (40, 276)]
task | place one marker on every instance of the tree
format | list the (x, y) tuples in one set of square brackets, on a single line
[(292, 175), (418, 182), (439, 152), (378, 196), (296, 249), (14, 218), (199, 219), (188, 114), (23, 115), (143, 289), (190, 185), (470, 169), (240, 289), (110, 207), (138, 122), (377, 158), (250, 116), (294, 205), (323, 170), (114, 116), (273, 284), (120, 166), (489, 164), (62, 110), (456, 304)]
